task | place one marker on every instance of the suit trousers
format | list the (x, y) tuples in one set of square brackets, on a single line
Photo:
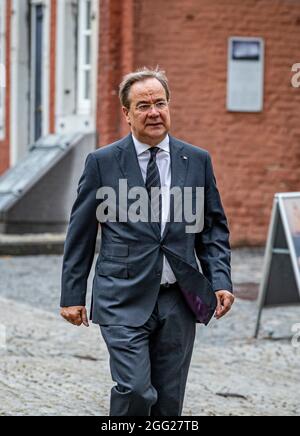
[(150, 364)]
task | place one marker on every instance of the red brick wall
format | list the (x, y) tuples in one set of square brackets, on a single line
[(110, 71), (116, 58), (4, 145), (255, 155)]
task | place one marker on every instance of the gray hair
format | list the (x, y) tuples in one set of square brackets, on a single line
[(139, 76)]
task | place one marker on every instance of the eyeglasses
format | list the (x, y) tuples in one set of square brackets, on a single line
[(159, 106)]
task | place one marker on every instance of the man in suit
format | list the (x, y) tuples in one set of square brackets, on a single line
[(148, 290)]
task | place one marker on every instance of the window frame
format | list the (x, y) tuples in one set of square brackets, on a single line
[(2, 67), (72, 112), (83, 103)]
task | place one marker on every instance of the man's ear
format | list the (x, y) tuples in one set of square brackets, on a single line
[(126, 115)]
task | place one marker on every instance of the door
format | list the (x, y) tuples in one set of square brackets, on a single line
[(36, 73), (29, 77)]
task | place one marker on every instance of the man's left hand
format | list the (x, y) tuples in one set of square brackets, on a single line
[(225, 302)]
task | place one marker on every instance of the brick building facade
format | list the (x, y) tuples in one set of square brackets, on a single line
[(255, 154)]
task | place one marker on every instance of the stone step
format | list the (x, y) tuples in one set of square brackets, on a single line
[(33, 244)]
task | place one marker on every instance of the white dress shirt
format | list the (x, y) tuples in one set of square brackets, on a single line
[(163, 160)]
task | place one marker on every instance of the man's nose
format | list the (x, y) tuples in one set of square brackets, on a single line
[(154, 112)]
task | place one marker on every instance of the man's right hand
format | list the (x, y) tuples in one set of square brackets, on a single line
[(76, 315)]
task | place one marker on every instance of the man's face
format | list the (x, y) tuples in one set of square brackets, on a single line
[(148, 115)]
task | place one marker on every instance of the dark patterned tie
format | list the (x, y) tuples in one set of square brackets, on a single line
[(153, 181)]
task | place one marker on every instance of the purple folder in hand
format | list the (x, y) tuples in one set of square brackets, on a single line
[(202, 312)]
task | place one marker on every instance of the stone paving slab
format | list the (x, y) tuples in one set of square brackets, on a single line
[(52, 368)]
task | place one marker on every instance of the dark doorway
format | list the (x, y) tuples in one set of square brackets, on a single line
[(37, 31)]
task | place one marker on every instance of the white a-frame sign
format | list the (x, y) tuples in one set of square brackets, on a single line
[(281, 278)]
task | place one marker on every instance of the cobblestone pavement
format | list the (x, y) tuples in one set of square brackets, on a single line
[(51, 368)]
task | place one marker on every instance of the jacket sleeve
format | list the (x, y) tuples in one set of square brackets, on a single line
[(212, 244), (79, 249)]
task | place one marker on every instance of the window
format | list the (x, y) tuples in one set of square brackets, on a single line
[(76, 67), (2, 69), (84, 56)]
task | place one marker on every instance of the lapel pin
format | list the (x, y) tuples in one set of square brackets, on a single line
[(184, 157)]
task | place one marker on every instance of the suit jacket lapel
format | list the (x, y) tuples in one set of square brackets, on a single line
[(129, 164), (179, 163), (179, 166)]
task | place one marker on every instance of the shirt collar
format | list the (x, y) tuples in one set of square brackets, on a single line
[(141, 147)]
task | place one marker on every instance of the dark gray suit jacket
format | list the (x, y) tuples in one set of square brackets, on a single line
[(129, 267)]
